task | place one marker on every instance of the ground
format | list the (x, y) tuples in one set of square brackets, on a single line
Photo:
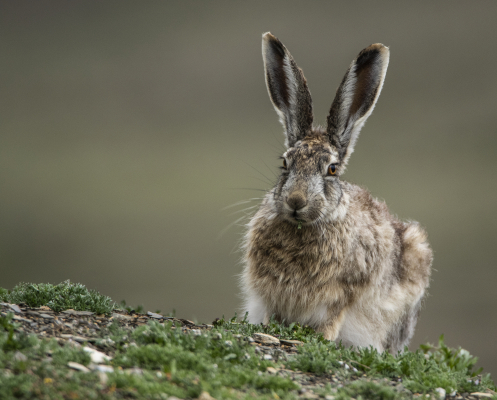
[(63, 341)]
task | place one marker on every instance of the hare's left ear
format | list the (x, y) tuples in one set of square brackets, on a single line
[(287, 89), (356, 97)]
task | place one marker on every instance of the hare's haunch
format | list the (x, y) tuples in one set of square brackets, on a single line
[(321, 251)]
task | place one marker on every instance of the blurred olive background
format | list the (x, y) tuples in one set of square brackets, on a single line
[(126, 128)]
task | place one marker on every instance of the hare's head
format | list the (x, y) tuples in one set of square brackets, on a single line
[(308, 189)]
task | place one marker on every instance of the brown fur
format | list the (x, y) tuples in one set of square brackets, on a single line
[(321, 251)]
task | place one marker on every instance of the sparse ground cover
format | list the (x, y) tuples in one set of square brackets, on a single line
[(65, 342)]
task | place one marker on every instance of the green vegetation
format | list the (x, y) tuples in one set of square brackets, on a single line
[(159, 360), (59, 297), (138, 309), (292, 331)]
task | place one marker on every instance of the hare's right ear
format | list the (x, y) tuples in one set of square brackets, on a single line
[(356, 97), (287, 89)]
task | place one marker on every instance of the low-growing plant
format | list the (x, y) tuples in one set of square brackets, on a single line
[(293, 331), (59, 297), (174, 361), (9, 340), (138, 309)]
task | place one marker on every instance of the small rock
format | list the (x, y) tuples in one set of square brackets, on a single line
[(18, 318), (441, 392), (108, 342), (121, 316), (80, 339), (291, 342), (267, 357), (482, 395), (271, 370), (246, 356), (266, 339), (196, 332), (228, 343), (77, 367), (46, 316), (103, 368), (97, 356), (18, 356), (154, 315), (453, 394), (250, 339), (13, 307), (329, 397), (72, 343), (74, 312), (217, 336), (205, 396)]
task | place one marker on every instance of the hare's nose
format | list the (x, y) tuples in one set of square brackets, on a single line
[(296, 201)]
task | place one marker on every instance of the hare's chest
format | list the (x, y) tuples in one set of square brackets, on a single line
[(286, 275), (286, 259)]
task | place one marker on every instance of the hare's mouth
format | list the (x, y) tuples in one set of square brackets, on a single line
[(301, 217)]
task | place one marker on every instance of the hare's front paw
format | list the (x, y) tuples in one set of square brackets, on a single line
[(331, 329)]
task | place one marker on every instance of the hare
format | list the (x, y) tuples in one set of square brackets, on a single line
[(321, 251)]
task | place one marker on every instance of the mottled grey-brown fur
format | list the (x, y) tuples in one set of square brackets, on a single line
[(321, 251)]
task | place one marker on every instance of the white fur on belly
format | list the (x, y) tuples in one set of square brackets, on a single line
[(257, 311)]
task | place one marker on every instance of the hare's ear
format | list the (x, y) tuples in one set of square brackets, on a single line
[(287, 89), (356, 97)]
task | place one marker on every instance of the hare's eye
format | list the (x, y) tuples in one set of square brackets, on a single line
[(332, 169), (284, 163)]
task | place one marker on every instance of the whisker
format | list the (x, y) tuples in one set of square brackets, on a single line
[(258, 190), (275, 175), (245, 209), (220, 234), (262, 180), (255, 169), (239, 203)]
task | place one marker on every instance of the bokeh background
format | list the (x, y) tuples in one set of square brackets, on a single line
[(127, 127)]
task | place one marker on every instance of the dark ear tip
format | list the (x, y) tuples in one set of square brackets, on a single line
[(373, 52), (378, 46), (271, 42), (268, 36)]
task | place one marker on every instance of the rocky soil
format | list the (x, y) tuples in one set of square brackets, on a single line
[(88, 330)]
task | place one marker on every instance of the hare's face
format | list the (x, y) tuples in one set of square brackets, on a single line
[(308, 188)]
